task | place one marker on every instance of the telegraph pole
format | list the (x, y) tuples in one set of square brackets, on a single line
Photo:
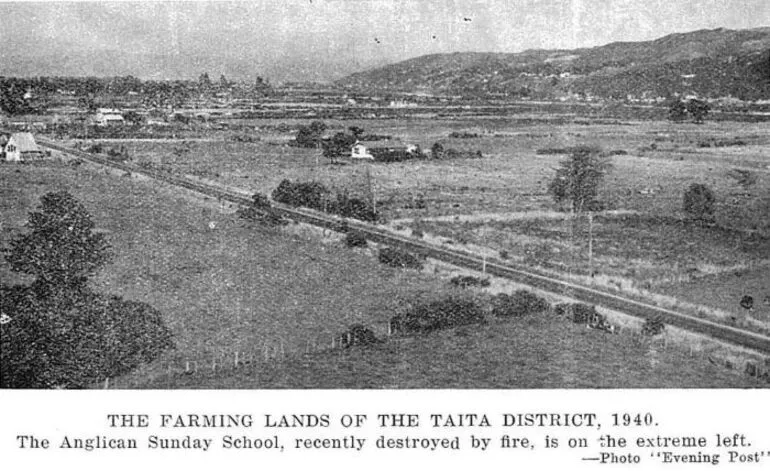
[(591, 243)]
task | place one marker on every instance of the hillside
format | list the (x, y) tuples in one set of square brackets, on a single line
[(710, 63)]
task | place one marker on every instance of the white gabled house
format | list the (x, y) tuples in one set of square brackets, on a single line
[(21, 146)]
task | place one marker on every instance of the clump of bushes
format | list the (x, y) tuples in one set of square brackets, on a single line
[(438, 152), (587, 315), (467, 281), (653, 326), (440, 314), (355, 208), (357, 335), (400, 258), (307, 194), (520, 303), (617, 152), (315, 195), (355, 239), (463, 135), (712, 142), (553, 151), (260, 210), (580, 313)]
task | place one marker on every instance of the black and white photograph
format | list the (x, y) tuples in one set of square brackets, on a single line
[(385, 195)]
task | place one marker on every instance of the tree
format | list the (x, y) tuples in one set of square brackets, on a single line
[(57, 332), (577, 179), (61, 249), (698, 109), (12, 99), (310, 136), (204, 81), (699, 202), (437, 150), (677, 111), (338, 146), (133, 117), (356, 131), (223, 82)]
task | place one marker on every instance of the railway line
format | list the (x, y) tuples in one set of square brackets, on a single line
[(518, 274)]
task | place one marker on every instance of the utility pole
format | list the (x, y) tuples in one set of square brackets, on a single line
[(370, 183), (591, 243)]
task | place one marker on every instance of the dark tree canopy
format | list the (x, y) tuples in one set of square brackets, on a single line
[(57, 332), (61, 248), (698, 109), (338, 146), (12, 99), (310, 136), (74, 340), (677, 111), (577, 179)]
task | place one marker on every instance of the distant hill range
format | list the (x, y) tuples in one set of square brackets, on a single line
[(706, 63)]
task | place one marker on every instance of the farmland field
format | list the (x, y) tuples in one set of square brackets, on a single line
[(654, 162), (224, 285)]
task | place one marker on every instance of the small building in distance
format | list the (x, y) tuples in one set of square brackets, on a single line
[(108, 118), (21, 146), (382, 151)]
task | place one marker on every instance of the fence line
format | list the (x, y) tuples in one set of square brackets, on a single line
[(277, 350), (263, 353)]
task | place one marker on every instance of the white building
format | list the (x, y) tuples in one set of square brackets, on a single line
[(109, 119), (21, 147)]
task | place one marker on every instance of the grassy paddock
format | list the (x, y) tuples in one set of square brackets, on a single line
[(539, 351), (223, 285)]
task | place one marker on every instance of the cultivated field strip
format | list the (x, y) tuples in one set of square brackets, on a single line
[(525, 276)]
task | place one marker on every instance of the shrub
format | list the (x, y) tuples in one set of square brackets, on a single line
[(400, 258), (355, 239), (260, 210), (352, 208), (504, 254), (357, 335), (440, 314), (520, 303), (699, 202), (463, 135), (469, 281), (653, 326), (585, 314), (307, 194), (580, 313)]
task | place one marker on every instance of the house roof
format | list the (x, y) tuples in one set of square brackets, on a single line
[(24, 142), (110, 116), (385, 144)]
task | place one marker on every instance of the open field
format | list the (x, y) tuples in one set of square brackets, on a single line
[(226, 286)]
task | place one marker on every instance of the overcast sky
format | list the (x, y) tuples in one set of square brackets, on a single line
[(323, 39)]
